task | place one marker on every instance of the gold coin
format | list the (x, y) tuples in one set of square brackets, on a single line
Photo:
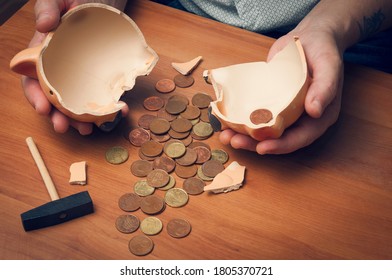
[(151, 226), (203, 129), (176, 197), (158, 178), (117, 155), (219, 155), (174, 148), (201, 100), (141, 188), (127, 223), (171, 184), (140, 245), (178, 228), (260, 116), (201, 175), (129, 202)]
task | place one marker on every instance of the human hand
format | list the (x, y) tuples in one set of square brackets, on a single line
[(322, 102), (48, 13)]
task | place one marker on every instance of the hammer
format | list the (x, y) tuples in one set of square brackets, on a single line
[(58, 210)]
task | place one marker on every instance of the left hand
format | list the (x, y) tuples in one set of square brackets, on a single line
[(322, 102)]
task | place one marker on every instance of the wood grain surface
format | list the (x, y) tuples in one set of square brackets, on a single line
[(332, 200)]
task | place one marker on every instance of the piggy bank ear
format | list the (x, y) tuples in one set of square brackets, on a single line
[(25, 62)]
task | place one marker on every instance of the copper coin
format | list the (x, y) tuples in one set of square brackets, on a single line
[(138, 136), (203, 154), (212, 168), (178, 228), (141, 168), (152, 204), (183, 81), (188, 158), (129, 202), (204, 115), (261, 116), (187, 141), (159, 126), (199, 143), (165, 86), (185, 171), (201, 100), (175, 106), (191, 113), (164, 163), (162, 113), (140, 245), (179, 97), (153, 103), (181, 125), (160, 138), (144, 157), (171, 184), (193, 186), (127, 223), (174, 148), (201, 175), (151, 148), (145, 120), (178, 135), (157, 178)]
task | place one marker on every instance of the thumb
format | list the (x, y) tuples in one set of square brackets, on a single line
[(278, 46), (47, 14)]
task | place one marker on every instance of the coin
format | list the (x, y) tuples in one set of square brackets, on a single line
[(201, 175), (174, 148), (165, 86), (203, 129), (178, 228), (212, 168), (175, 106), (159, 126), (179, 97), (165, 163), (191, 113), (151, 148), (152, 204), (127, 223), (142, 156), (129, 202), (194, 121), (193, 186), (204, 115), (162, 113), (140, 245), (187, 141), (185, 171), (157, 178), (160, 138), (145, 120), (138, 136), (183, 81), (261, 116), (171, 184), (176, 197), (178, 135), (188, 158), (219, 155), (141, 168), (116, 155), (151, 226), (201, 100), (199, 143), (153, 103), (203, 154), (181, 125), (141, 188)]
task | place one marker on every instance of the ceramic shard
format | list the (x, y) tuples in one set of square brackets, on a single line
[(228, 180), (186, 68), (78, 173)]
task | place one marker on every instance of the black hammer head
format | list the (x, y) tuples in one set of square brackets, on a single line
[(58, 211)]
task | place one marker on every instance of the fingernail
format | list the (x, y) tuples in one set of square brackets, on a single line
[(317, 107), (42, 17)]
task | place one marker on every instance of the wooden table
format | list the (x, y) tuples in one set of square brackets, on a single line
[(332, 200)]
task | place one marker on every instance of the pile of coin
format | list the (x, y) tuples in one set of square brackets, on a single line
[(169, 138)]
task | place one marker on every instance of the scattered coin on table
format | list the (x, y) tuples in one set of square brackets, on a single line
[(158, 178), (145, 120), (151, 226), (201, 100), (141, 188), (183, 81), (151, 148), (127, 223), (219, 155), (153, 103), (165, 86), (171, 184), (193, 186), (212, 168), (165, 163), (176, 197), (141, 168), (129, 202), (116, 155), (159, 126), (138, 136), (185, 171), (178, 228), (140, 245), (152, 204)]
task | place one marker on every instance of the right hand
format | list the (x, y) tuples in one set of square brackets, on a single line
[(48, 13)]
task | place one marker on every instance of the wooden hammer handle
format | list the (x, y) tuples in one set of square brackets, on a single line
[(42, 169)]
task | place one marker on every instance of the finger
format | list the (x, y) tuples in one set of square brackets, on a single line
[(325, 85), (36, 96), (47, 14), (225, 136), (82, 127), (60, 121), (124, 110), (240, 141), (278, 46)]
